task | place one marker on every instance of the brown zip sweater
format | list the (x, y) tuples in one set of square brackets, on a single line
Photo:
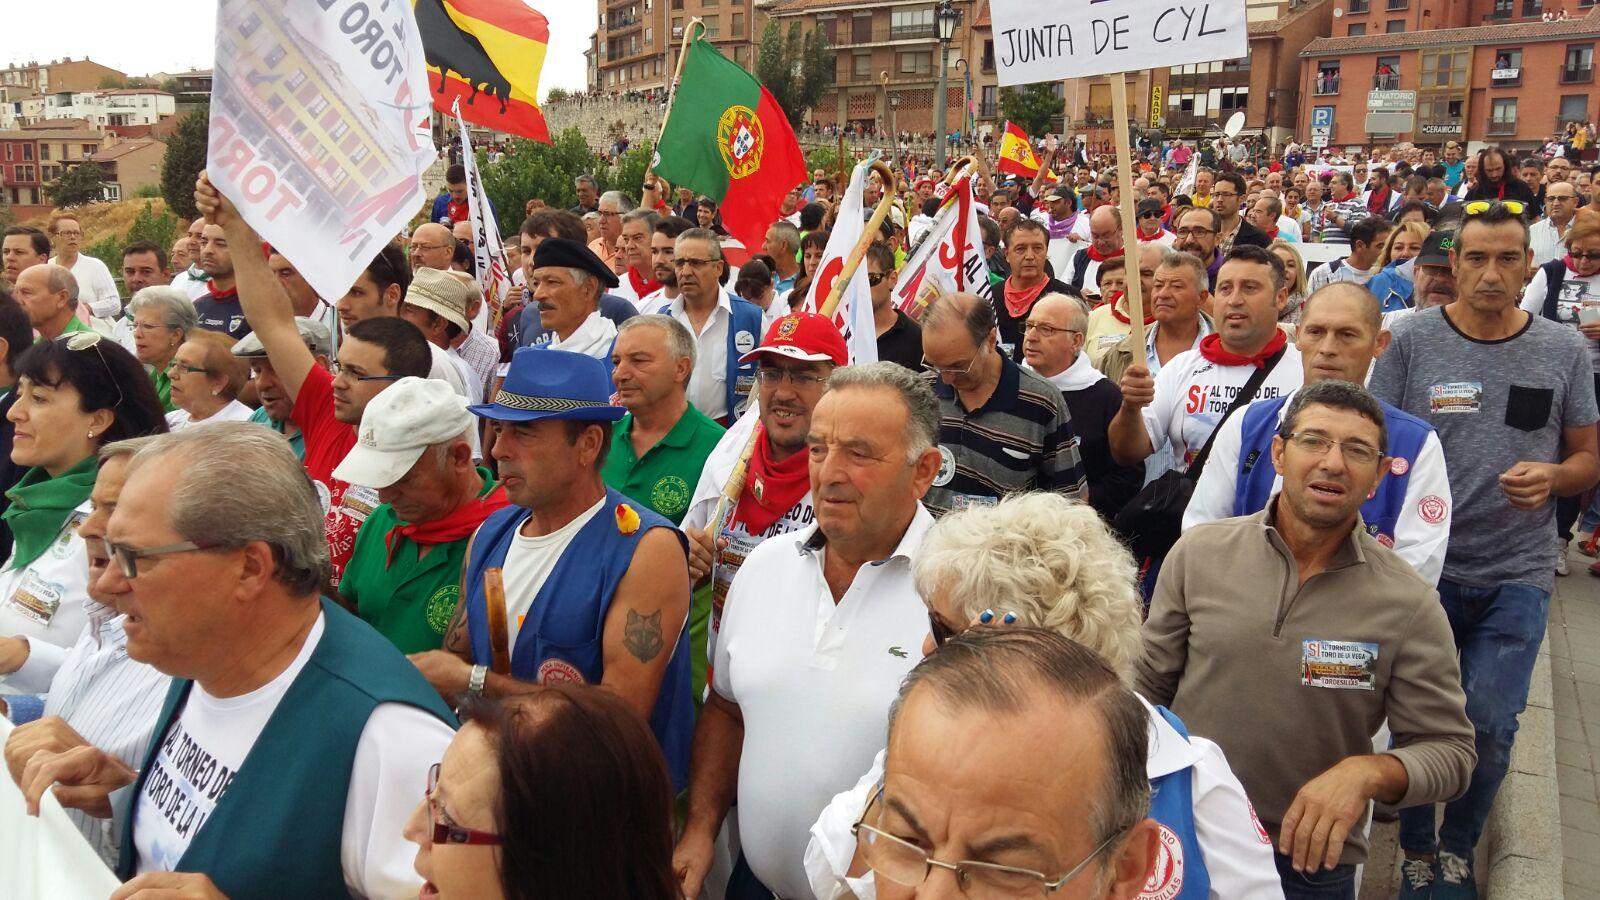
[(1233, 638)]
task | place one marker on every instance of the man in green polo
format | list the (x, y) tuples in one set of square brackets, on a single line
[(660, 446), (404, 575), (49, 294)]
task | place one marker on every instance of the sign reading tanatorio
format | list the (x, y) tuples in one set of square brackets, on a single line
[(1036, 41)]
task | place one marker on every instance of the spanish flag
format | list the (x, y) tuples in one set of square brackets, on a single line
[(488, 53), (1016, 154)]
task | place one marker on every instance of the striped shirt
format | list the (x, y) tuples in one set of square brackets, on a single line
[(113, 702), (1021, 439)]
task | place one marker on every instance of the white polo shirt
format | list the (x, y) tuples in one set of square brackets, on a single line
[(814, 681), (1193, 393)]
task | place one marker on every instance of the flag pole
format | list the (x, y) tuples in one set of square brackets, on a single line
[(672, 94), (735, 484), (1133, 290)]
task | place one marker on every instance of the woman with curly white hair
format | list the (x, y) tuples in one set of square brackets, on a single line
[(1044, 561)]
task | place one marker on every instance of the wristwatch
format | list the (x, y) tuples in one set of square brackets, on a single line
[(476, 679)]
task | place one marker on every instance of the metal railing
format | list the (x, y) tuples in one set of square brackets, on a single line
[(1386, 82), (1584, 75), (845, 34), (1323, 87), (1502, 126)]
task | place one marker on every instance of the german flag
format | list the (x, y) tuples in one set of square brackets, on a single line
[(488, 53)]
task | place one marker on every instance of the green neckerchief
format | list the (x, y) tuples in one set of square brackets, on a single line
[(40, 505)]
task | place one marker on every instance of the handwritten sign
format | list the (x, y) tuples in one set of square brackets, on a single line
[(1036, 41)]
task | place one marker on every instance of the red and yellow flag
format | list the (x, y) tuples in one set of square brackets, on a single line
[(1016, 154), (488, 53)]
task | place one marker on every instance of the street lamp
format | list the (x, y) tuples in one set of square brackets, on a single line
[(946, 18)]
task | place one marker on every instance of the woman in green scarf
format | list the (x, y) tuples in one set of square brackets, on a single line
[(74, 394), (162, 318)]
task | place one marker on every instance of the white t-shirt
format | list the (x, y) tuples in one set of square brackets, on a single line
[(530, 560), (97, 290), (179, 419), (813, 680), (191, 281), (1576, 294), (210, 739), (1193, 393), (47, 603)]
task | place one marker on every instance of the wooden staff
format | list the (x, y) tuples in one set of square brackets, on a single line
[(672, 95), (957, 167), (494, 597), (1130, 224), (735, 484)]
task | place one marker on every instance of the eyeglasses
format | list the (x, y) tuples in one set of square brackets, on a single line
[(1195, 232), (681, 261), (1361, 454), (876, 278), (83, 340), (353, 376), (953, 371), (1479, 207), (141, 327), (126, 558), (908, 865), (1226, 195), (772, 377), (1047, 331), (69, 234), (180, 368), (1585, 255), (448, 833), (428, 248)]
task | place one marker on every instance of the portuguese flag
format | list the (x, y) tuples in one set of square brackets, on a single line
[(727, 138)]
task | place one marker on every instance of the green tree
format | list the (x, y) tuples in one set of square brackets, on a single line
[(545, 171), (185, 157), (170, 86), (159, 228), (797, 68), (556, 95), (79, 184), (1030, 107)]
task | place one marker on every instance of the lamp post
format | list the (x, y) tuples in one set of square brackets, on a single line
[(945, 18)]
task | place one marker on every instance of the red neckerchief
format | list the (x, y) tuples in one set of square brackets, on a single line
[(1020, 300), (1160, 233), (1115, 301), (1345, 198), (219, 294), (1378, 201), (1211, 349), (455, 525), (771, 488), (1095, 254), (1272, 235), (642, 287)]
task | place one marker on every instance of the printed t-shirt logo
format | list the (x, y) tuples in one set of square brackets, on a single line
[(559, 671), (441, 608), (1166, 876), (670, 495), (740, 138), (1432, 509)]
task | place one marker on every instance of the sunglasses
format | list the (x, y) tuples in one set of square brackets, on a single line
[(876, 278), (83, 340), (1479, 207)]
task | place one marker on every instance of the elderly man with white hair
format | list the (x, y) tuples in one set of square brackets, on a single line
[(608, 246)]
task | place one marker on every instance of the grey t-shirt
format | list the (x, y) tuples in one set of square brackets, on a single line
[(1494, 404)]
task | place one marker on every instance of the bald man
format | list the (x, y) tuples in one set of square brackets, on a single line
[(432, 247), (1105, 242), (49, 295)]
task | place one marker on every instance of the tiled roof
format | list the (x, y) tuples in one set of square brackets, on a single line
[(792, 7), (1588, 26), (1273, 26), (983, 20), (123, 149)]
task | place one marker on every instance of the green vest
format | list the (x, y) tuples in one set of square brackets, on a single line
[(276, 832), (411, 601)]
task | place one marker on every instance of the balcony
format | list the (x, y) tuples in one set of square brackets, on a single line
[(1509, 76), (1385, 83), (1324, 86), (1399, 5), (1357, 7), (1584, 75), (1097, 116), (846, 35), (623, 24), (1502, 126)]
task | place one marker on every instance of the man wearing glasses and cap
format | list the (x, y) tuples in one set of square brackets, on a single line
[(574, 582), (277, 404)]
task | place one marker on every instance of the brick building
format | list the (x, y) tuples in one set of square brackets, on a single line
[(636, 42), (1452, 71), (131, 165)]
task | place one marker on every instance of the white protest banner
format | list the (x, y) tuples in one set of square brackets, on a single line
[(1036, 41), (45, 858), (854, 312), (950, 259), (321, 128), (489, 252)]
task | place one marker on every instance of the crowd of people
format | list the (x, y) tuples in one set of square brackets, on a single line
[(657, 592)]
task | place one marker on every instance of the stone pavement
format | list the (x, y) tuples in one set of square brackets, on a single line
[(1575, 683)]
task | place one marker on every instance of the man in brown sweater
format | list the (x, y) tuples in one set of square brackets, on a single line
[(1290, 635)]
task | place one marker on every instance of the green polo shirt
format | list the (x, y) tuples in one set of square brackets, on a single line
[(664, 480), (297, 442), (163, 383), (665, 477), (411, 601), (75, 324)]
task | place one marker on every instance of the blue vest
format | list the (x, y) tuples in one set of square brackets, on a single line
[(277, 832), (1407, 435), (1392, 289), (1172, 805), (561, 639), (744, 335)]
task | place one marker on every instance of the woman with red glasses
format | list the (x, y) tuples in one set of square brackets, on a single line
[(559, 793)]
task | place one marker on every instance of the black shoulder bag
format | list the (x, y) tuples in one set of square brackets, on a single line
[(1153, 519)]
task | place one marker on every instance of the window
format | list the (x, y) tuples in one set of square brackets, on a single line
[(1502, 9), (44, 151), (713, 26), (1242, 64), (1234, 98), (276, 56), (1580, 64), (1394, 26), (1503, 116), (736, 25), (1359, 6), (861, 65), (1396, 5), (317, 106), (296, 78), (339, 130), (25, 173), (1327, 81), (988, 108), (1507, 70), (920, 63), (8, 151), (1358, 29), (911, 23), (861, 29), (1448, 69), (709, 3), (27, 151), (649, 35), (1386, 74), (988, 56), (1532, 7), (1574, 108)]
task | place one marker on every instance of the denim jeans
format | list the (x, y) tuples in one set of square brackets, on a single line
[(1337, 883), (1497, 631)]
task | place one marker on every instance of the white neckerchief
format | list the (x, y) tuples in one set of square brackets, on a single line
[(593, 338), (1075, 377)]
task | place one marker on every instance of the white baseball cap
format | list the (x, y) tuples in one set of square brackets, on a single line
[(407, 418)]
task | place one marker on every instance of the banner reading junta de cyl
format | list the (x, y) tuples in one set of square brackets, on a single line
[(1036, 41)]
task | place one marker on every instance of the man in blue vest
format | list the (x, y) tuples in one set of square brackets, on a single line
[(1339, 336), (292, 730), (596, 586), (724, 326)]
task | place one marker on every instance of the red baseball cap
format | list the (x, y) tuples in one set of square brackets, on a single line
[(805, 336)]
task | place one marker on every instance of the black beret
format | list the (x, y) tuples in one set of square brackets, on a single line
[(573, 255)]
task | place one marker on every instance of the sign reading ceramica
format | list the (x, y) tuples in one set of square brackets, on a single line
[(321, 127), (1036, 41)]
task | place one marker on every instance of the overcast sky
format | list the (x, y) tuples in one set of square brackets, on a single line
[(175, 35)]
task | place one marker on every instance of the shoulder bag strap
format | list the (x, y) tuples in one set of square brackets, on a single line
[(1245, 395)]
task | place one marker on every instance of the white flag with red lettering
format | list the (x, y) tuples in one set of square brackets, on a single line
[(494, 275), (949, 260), (853, 315)]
